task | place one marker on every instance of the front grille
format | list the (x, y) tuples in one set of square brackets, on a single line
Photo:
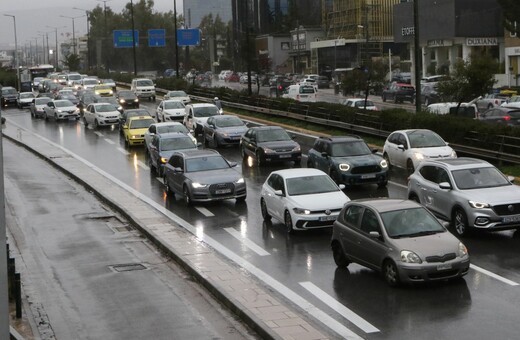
[(365, 169), (443, 274), (215, 188), (282, 150), (443, 258), (332, 211), (504, 209), (313, 224)]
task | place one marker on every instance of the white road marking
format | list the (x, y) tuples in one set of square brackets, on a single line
[(204, 211), (493, 275), (109, 141), (142, 165), (247, 242), (98, 133), (340, 308), (160, 179), (123, 151)]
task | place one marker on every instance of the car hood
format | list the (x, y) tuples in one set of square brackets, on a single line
[(279, 145), (233, 130), (137, 131), (494, 196), (175, 112), (67, 108), (361, 160), (26, 100), (323, 201), (429, 245), (435, 152), (214, 176)]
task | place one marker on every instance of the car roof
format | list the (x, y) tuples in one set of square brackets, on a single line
[(459, 163), (298, 172), (167, 124), (414, 130), (170, 135), (201, 105), (383, 204), (139, 118), (268, 127), (196, 153), (336, 139)]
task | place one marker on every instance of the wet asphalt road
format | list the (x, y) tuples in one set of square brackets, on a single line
[(484, 305)]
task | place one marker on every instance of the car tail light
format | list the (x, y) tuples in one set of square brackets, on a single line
[(280, 87), (507, 118), (496, 102)]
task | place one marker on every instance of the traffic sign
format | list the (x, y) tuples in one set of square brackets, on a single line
[(188, 37), (123, 38), (157, 38)]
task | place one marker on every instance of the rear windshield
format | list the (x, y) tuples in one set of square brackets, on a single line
[(144, 83), (206, 111), (307, 89), (168, 144)]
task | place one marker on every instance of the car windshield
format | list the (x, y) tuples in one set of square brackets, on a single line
[(424, 139), (90, 82), (229, 122), (141, 123), (206, 111), (74, 77), (105, 108), (173, 105), (307, 89), (103, 87), (272, 135), (63, 103), (177, 94), (361, 103), (348, 149), (309, 185), (126, 94), (70, 97), (206, 163), (411, 222), (136, 113), (476, 178), (168, 144), (9, 91), (42, 100), (172, 128), (26, 95), (144, 83)]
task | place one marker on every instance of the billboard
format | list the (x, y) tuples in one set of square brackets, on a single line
[(123, 38)]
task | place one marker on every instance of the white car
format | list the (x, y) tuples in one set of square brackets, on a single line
[(359, 103), (178, 95), (100, 114), (407, 148), (61, 109), (166, 127), (38, 105), (514, 101), (24, 99), (89, 83), (197, 114), (170, 110), (301, 198)]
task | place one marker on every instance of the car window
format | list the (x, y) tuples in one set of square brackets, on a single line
[(476, 178), (206, 111), (173, 105), (352, 215), (310, 185), (401, 140), (410, 222), (356, 148), (172, 128), (228, 121), (141, 123), (206, 163), (176, 161), (369, 222), (168, 144), (424, 139), (272, 135)]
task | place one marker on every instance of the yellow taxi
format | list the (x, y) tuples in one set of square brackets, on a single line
[(135, 128), (103, 90)]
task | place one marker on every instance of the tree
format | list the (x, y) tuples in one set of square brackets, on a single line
[(72, 62), (511, 15)]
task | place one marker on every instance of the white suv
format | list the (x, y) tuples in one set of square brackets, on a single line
[(143, 88), (197, 114)]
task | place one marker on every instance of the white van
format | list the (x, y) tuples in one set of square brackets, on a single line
[(301, 93), (143, 88)]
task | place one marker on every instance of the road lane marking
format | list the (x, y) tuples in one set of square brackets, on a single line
[(340, 308), (493, 275), (142, 165), (204, 211), (98, 133), (109, 141), (123, 151), (160, 179), (247, 242)]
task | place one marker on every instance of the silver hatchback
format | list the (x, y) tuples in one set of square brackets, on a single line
[(468, 192)]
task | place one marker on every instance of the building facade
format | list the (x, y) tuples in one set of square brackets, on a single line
[(195, 10)]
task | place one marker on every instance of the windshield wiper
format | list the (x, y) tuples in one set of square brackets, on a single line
[(424, 233)]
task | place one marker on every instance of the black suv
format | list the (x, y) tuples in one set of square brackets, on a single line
[(399, 93), (348, 160), (9, 95), (268, 144), (278, 86)]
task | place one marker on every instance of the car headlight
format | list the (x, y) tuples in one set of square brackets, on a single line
[(164, 160), (463, 251), (198, 185), (59, 111), (267, 150), (478, 205), (136, 100), (240, 180), (121, 100), (224, 134), (300, 211), (297, 149), (453, 154), (410, 257), (344, 167), (383, 163), (419, 156)]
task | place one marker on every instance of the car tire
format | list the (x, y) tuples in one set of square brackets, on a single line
[(187, 197), (288, 222), (409, 167), (390, 273), (459, 222), (339, 256), (263, 209)]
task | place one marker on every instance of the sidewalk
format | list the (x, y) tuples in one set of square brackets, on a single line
[(271, 316)]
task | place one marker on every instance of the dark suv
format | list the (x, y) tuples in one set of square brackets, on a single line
[(399, 92), (348, 160), (9, 95), (278, 86)]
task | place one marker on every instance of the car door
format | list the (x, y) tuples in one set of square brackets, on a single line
[(154, 151), (348, 230), (249, 143), (177, 177), (400, 154), (391, 147), (372, 250), (434, 198), (275, 203), (323, 162), (209, 128), (88, 114)]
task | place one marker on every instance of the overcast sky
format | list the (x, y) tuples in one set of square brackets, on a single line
[(32, 17)]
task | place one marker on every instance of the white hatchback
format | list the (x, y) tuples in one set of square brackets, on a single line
[(100, 114), (302, 198), (407, 148)]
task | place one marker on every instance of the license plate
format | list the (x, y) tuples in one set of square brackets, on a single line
[(511, 219), (222, 191), (72, 118), (328, 218), (444, 266), (285, 156), (368, 176)]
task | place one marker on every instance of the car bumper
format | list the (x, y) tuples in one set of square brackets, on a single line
[(230, 140), (489, 220), (145, 94), (426, 272), (282, 157), (208, 195), (371, 178), (173, 118), (68, 115), (136, 141), (108, 121), (314, 221)]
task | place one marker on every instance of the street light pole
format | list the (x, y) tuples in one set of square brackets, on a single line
[(88, 35), (133, 36), (56, 53), (176, 44), (105, 41), (15, 52), (73, 30)]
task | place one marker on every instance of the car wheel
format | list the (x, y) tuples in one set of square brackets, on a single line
[(167, 188), (259, 158), (414, 197), (288, 222), (96, 124), (384, 98), (339, 256), (215, 141), (387, 159), (409, 167), (391, 274), (187, 198), (263, 208), (460, 222)]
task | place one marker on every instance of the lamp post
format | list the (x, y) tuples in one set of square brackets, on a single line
[(56, 53), (133, 36), (105, 41), (176, 44), (88, 35), (15, 52), (45, 37), (73, 30)]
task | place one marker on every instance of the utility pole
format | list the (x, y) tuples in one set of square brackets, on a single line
[(176, 42), (106, 43), (89, 62), (133, 36), (416, 54)]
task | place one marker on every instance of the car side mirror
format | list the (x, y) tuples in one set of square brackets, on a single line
[(278, 193), (511, 179), (401, 147), (375, 235), (375, 150), (324, 154), (342, 186), (177, 170), (445, 185)]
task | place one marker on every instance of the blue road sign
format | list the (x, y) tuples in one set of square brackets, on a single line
[(157, 38), (188, 37), (123, 38)]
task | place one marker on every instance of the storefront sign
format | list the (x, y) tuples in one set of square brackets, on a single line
[(481, 41), (407, 31), (439, 43)]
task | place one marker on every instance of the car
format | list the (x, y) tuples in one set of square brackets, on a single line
[(278, 85), (399, 238), (112, 101), (268, 144), (163, 145), (88, 83), (143, 88), (224, 74), (123, 117), (70, 97), (223, 130), (37, 106), (9, 95), (170, 110), (71, 78), (103, 90), (100, 114), (109, 82), (348, 160), (87, 97), (490, 101), (36, 83), (301, 199), (359, 103), (407, 148), (135, 128), (232, 78), (502, 115), (429, 94), (166, 127), (323, 82), (197, 114), (301, 92), (398, 92), (24, 99), (61, 109), (514, 101), (469, 193), (127, 98), (203, 176), (179, 95)]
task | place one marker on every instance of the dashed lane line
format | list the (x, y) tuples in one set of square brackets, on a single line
[(204, 211)]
